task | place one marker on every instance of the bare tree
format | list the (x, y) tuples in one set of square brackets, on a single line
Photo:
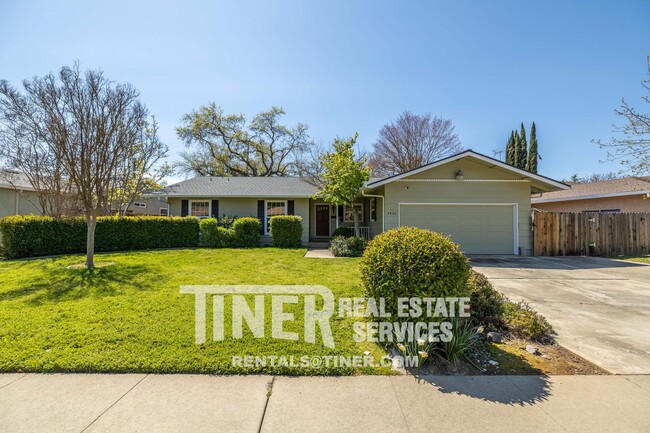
[(410, 141), (632, 145), (89, 125), (25, 155), (597, 177), (226, 145), (140, 171)]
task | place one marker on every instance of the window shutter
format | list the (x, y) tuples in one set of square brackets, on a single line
[(291, 207), (215, 209), (185, 205), (340, 208), (260, 214)]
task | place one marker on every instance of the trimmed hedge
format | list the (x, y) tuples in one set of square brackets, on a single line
[(32, 236), (344, 231), (286, 231), (246, 232), (413, 262)]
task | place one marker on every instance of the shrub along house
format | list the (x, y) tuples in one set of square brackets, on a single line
[(482, 203)]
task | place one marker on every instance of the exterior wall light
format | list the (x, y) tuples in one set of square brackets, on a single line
[(459, 175)]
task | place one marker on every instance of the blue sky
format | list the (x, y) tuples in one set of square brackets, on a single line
[(351, 66)]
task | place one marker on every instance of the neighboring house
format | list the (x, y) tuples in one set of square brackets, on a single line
[(631, 194), (482, 203), (148, 205), (17, 197)]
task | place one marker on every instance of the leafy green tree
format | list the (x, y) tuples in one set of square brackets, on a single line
[(343, 176), (523, 149), (532, 152), (227, 145)]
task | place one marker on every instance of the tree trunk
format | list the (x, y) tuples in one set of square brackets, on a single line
[(91, 222)]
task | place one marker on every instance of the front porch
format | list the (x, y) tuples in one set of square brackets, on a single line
[(325, 218)]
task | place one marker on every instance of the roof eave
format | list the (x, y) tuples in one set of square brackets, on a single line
[(538, 179)]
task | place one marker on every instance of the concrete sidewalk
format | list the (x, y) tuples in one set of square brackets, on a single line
[(194, 403)]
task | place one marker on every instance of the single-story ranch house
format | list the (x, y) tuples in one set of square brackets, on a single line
[(482, 203)]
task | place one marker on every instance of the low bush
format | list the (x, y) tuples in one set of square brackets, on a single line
[(341, 246), (343, 231), (486, 303), (32, 236), (413, 262), (208, 229), (246, 232), (226, 221), (521, 320), (464, 335), (286, 231)]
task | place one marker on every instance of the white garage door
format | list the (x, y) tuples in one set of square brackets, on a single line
[(479, 229)]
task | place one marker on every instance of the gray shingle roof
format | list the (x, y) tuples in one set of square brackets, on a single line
[(9, 179), (207, 186), (609, 187)]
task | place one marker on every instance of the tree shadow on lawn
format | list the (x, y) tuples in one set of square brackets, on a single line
[(58, 283), (516, 382)]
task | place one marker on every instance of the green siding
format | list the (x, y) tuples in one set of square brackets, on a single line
[(244, 206), (453, 191)]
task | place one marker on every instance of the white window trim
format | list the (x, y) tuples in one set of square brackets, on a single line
[(266, 217), (209, 202), (515, 215), (163, 209), (361, 219), (372, 200)]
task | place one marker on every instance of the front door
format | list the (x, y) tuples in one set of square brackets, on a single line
[(322, 220)]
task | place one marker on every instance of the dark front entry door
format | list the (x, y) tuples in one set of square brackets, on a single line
[(322, 220)]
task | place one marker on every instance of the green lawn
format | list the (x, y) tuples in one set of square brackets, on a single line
[(639, 259), (131, 317)]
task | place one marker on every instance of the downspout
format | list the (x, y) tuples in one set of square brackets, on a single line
[(17, 202), (383, 217)]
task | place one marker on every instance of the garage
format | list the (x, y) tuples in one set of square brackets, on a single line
[(478, 228)]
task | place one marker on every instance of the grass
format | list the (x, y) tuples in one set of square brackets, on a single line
[(638, 259), (131, 317)]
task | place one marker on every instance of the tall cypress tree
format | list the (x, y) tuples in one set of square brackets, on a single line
[(516, 153), (532, 153), (523, 148), (510, 149)]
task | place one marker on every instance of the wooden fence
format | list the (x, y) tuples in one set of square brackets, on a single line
[(590, 233)]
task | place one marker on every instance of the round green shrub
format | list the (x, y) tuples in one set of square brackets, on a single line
[(343, 231), (486, 303), (246, 232), (413, 262), (286, 231), (208, 228)]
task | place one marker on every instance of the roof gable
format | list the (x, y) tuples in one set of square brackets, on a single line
[(541, 183)]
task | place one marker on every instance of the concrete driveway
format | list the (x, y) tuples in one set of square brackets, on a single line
[(600, 308)]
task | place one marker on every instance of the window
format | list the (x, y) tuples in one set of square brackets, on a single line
[(274, 208), (373, 210), (200, 209), (347, 213), (136, 204), (163, 211)]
